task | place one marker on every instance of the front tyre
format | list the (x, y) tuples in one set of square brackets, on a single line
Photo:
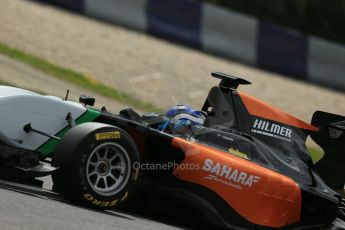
[(96, 166)]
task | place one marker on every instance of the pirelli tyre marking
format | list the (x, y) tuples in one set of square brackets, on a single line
[(107, 135), (100, 203), (124, 197)]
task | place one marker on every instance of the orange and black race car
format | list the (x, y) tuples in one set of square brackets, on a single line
[(247, 167)]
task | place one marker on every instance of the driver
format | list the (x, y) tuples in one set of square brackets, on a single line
[(181, 119)]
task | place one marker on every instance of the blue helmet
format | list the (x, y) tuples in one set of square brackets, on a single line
[(181, 118)]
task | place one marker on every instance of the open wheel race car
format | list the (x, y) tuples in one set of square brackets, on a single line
[(247, 167)]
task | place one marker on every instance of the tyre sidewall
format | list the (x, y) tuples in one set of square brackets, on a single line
[(81, 189)]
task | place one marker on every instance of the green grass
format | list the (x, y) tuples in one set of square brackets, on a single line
[(76, 78)]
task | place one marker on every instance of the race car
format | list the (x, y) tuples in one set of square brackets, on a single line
[(247, 167)]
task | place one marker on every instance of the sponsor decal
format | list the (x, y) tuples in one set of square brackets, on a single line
[(229, 176), (107, 135), (270, 129), (224, 137), (100, 203), (236, 152)]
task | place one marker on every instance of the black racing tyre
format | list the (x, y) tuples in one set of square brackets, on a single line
[(96, 166)]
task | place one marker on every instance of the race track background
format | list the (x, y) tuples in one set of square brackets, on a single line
[(114, 55), (18, 74), (125, 59)]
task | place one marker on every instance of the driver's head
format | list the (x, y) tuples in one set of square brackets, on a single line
[(180, 119)]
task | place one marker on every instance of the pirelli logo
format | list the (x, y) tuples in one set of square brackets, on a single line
[(107, 135)]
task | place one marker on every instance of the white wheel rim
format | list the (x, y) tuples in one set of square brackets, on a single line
[(108, 169)]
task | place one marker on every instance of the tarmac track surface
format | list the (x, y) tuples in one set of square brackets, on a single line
[(30, 208)]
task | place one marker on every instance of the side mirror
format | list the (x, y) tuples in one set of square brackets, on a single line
[(86, 100)]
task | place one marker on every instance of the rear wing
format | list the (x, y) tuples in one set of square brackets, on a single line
[(228, 81), (219, 103), (331, 138)]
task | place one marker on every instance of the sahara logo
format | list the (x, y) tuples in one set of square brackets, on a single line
[(272, 130), (228, 176)]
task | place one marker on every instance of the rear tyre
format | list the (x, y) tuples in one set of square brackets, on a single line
[(97, 166)]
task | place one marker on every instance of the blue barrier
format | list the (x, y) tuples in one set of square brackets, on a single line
[(177, 20), (282, 50), (226, 33)]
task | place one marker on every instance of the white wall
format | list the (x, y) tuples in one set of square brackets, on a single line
[(326, 63), (229, 33), (129, 13)]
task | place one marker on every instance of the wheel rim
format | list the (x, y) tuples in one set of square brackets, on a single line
[(108, 168)]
